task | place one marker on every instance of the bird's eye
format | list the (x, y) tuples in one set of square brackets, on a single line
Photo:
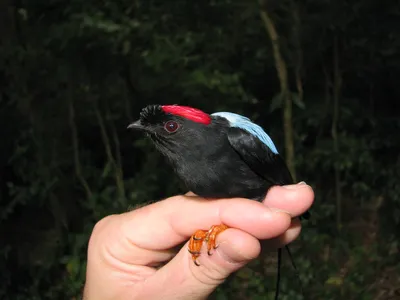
[(171, 126)]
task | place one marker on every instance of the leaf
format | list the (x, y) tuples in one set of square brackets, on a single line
[(106, 170), (334, 280), (296, 100), (126, 47), (72, 266), (276, 102), (23, 13)]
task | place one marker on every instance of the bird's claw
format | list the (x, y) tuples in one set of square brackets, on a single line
[(196, 241)]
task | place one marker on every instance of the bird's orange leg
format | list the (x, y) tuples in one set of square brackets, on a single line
[(196, 241), (212, 236)]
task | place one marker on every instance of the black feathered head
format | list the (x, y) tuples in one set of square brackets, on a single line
[(172, 126)]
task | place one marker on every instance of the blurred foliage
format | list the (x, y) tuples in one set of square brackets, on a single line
[(74, 74)]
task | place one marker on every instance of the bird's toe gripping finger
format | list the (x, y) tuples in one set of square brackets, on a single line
[(212, 236), (196, 241)]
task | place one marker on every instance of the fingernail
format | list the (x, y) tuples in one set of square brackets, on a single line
[(297, 186)]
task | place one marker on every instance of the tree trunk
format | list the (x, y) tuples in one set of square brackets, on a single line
[(107, 146), (281, 69), (337, 87), (298, 53), (75, 146), (7, 22)]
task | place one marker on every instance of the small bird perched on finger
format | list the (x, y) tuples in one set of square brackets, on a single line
[(222, 155)]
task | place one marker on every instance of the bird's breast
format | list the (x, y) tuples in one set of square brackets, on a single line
[(220, 174)]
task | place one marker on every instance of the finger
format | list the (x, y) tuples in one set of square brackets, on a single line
[(108, 241), (294, 199), (286, 238), (147, 234), (185, 280), (172, 221)]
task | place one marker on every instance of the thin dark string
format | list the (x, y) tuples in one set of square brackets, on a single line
[(295, 269), (278, 274)]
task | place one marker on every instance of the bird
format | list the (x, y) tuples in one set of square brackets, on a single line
[(218, 155)]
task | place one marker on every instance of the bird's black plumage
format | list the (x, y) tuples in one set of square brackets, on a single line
[(213, 158), (216, 160), (259, 158)]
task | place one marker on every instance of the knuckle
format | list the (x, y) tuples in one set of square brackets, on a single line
[(102, 224), (99, 230)]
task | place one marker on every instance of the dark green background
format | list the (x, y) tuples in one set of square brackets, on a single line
[(73, 74)]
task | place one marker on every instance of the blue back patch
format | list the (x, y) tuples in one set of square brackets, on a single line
[(245, 123)]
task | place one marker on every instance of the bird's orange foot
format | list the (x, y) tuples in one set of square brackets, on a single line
[(200, 236)]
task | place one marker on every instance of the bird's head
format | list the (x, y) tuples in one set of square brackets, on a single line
[(171, 126)]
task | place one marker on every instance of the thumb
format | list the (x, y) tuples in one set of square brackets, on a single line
[(182, 279)]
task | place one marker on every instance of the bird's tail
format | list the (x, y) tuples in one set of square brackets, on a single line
[(278, 275)]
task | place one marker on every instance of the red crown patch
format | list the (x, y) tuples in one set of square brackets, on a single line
[(190, 113)]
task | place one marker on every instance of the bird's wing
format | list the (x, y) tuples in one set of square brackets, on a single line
[(259, 156)]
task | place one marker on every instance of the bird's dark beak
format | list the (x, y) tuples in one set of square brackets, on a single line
[(137, 125)]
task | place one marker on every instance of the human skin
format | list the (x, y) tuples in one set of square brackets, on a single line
[(139, 254)]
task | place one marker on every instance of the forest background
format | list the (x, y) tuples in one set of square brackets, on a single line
[(321, 76)]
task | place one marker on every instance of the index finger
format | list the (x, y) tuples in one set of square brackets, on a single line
[(167, 223)]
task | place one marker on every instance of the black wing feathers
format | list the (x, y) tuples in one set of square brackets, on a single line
[(259, 157)]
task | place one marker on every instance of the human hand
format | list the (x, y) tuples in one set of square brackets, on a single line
[(127, 251)]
